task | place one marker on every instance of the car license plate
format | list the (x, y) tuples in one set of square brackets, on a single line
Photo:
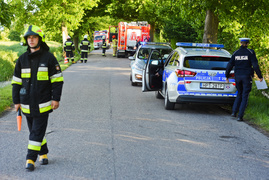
[(210, 85)]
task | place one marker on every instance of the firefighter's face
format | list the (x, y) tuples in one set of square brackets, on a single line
[(32, 40)]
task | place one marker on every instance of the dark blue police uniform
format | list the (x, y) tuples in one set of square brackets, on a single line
[(244, 62)]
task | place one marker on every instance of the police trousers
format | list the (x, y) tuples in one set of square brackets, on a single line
[(37, 143), (243, 85)]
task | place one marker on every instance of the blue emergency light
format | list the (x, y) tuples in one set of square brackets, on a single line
[(204, 45)]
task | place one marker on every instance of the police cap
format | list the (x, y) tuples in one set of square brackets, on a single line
[(244, 39)]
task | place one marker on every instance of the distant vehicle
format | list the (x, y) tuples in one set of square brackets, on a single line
[(98, 38), (128, 33), (190, 75), (139, 59)]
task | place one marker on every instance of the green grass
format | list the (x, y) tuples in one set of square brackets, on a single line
[(5, 98)]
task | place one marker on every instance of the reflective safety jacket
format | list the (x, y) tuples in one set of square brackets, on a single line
[(85, 45), (104, 44), (114, 43), (37, 80), (69, 46)]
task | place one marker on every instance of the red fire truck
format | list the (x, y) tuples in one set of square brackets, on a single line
[(127, 35)]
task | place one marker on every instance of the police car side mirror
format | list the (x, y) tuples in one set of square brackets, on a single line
[(131, 58)]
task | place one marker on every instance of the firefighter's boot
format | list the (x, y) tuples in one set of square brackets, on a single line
[(30, 165), (43, 159)]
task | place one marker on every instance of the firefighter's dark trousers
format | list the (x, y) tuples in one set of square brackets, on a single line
[(37, 143), (70, 55), (84, 56), (104, 51)]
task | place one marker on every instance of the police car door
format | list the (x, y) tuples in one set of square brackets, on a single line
[(151, 81)]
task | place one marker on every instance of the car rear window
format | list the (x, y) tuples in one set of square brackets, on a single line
[(206, 62), (144, 52)]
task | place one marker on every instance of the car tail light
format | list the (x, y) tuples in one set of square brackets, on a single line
[(231, 75), (183, 73)]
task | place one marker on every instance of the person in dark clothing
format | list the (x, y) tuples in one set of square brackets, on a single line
[(85, 47), (104, 45), (245, 63), (69, 47), (37, 87)]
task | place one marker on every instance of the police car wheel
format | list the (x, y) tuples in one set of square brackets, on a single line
[(167, 104), (158, 95)]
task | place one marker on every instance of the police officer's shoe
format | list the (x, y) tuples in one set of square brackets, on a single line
[(240, 119), (233, 115), (30, 165), (43, 159)]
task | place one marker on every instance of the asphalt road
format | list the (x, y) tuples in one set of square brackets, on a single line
[(106, 129)]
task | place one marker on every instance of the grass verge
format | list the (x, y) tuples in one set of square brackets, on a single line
[(5, 98)]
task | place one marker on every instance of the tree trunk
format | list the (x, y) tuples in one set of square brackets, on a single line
[(75, 40), (64, 33), (211, 27), (152, 31)]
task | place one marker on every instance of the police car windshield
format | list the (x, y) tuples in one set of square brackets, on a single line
[(98, 37), (206, 62), (144, 52)]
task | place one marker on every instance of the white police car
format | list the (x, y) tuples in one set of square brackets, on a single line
[(190, 75), (139, 59)]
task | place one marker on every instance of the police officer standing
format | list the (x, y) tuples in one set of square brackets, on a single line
[(104, 46), (245, 63), (37, 87), (69, 47), (85, 47)]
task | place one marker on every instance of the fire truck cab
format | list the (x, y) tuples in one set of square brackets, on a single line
[(128, 33)]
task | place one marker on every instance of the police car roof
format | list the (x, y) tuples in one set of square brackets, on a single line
[(156, 46), (204, 52)]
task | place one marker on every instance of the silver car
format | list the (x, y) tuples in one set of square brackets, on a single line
[(193, 73), (139, 59)]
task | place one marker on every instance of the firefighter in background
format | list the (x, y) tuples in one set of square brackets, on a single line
[(104, 46), (138, 43), (85, 47), (114, 43), (37, 87), (69, 47)]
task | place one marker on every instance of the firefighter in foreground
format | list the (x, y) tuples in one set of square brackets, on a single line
[(37, 87), (104, 46), (85, 47), (69, 47), (114, 43), (244, 62)]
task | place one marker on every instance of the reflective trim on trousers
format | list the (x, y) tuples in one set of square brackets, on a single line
[(34, 145)]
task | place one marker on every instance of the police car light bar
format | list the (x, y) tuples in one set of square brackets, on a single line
[(143, 43), (205, 45)]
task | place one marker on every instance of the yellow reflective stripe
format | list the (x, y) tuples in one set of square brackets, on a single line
[(68, 43), (34, 145), (44, 142), (26, 73), (42, 74), (84, 42), (44, 107), (25, 108), (57, 78), (16, 80)]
